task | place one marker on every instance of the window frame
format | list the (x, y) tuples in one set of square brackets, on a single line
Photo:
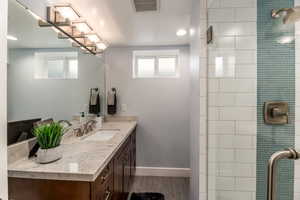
[(156, 54), (57, 56)]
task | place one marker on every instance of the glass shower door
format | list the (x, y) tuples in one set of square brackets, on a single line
[(252, 60)]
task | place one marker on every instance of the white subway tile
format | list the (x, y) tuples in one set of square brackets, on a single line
[(212, 169), (246, 42), (245, 184), (213, 3), (203, 125), (297, 171), (237, 113), (245, 71), (242, 142), (225, 141), (221, 15), (237, 3), (213, 113), (203, 106), (203, 87), (296, 185), (245, 14), (246, 99), (213, 85), (238, 85), (235, 29), (244, 170), (225, 42), (236, 169), (245, 156), (225, 183), (222, 99), (221, 155), (221, 127), (245, 57), (233, 195), (246, 127)]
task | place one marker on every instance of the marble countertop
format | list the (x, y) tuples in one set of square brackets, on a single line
[(82, 160)]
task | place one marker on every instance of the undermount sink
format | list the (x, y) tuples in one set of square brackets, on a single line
[(102, 135)]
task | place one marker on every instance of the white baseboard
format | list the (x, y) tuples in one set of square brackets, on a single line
[(163, 172)]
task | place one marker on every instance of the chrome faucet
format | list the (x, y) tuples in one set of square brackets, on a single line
[(85, 128), (90, 125)]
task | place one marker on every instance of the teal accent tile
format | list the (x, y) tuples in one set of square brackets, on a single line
[(275, 82)]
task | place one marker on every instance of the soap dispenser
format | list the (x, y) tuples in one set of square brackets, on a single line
[(82, 117)]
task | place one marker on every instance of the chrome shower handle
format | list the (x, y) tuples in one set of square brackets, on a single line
[(272, 166)]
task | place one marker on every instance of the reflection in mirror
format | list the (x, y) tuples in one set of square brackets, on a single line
[(47, 78)]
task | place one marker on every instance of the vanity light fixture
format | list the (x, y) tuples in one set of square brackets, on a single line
[(101, 45), (67, 11), (93, 37), (68, 23), (82, 26)]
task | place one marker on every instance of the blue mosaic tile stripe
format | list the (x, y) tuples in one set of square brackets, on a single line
[(275, 82)]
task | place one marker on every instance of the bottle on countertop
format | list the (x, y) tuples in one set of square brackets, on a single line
[(99, 120), (82, 117)]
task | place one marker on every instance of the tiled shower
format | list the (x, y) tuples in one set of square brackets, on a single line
[(252, 59)]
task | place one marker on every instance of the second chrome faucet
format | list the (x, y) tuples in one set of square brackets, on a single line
[(85, 128)]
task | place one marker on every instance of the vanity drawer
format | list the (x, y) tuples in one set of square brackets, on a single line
[(106, 191), (102, 188), (107, 173)]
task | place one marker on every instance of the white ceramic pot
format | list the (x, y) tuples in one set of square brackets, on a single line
[(45, 156)]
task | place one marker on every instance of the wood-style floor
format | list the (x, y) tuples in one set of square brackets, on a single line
[(172, 188)]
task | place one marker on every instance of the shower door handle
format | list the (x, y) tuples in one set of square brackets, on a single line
[(272, 166)]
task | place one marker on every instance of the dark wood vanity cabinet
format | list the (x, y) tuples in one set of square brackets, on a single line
[(124, 168), (113, 183)]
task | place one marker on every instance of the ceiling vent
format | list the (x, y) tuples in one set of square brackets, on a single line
[(146, 5)]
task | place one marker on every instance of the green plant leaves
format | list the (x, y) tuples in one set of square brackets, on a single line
[(49, 135)]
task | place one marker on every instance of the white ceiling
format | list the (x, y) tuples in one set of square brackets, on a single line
[(118, 23), (23, 26)]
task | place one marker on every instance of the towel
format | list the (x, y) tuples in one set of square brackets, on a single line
[(93, 100), (111, 98), (95, 107), (112, 102)]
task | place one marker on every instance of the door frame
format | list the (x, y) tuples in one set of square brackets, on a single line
[(3, 100)]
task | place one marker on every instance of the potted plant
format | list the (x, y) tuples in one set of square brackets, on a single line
[(49, 138)]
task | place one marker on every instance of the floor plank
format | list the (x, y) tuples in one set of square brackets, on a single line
[(172, 188)]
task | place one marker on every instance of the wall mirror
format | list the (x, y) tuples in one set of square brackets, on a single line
[(47, 77)]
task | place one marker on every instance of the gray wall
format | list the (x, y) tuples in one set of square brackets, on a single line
[(162, 106), (60, 99)]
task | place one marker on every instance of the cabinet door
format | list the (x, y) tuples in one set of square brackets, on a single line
[(106, 191), (133, 156), (118, 176), (127, 170), (102, 188)]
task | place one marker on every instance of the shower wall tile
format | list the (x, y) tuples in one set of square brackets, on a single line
[(297, 107), (246, 128), (221, 15), (232, 99), (246, 43), (276, 81), (237, 3), (245, 14)]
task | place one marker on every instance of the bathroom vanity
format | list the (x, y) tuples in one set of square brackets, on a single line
[(89, 170)]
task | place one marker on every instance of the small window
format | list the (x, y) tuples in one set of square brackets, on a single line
[(146, 67), (54, 65), (155, 64)]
